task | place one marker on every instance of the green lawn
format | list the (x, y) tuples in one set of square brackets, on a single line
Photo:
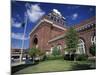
[(51, 66)]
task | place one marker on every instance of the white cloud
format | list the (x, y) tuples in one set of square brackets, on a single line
[(18, 36), (74, 16), (34, 12), (56, 11), (15, 23), (90, 9)]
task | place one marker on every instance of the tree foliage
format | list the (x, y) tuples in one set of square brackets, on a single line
[(34, 51), (56, 51), (93, 49), (71, 40)]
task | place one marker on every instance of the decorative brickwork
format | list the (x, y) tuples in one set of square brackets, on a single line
[(50, 33)]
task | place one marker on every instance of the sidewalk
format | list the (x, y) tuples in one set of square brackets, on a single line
[(17, 63)]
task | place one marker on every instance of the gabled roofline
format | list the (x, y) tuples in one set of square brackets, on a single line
[(45, 20), (84, 24), (36, 26), (87, 21)]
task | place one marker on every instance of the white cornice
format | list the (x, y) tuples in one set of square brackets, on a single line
[(57, 38), (36, 26), (48, 21), (59, 27)]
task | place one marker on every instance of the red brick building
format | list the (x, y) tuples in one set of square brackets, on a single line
[(50, 32)]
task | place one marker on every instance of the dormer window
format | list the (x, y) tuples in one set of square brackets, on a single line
[(55, 19), (93, 40), (52, 18), (62, 23), (58, 20)]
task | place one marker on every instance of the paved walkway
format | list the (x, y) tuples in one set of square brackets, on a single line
[(17, 63)]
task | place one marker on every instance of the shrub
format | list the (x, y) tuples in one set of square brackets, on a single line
[(34, 51), (43, 58), (93, 49), (41, 52), (69, 57), (82, 66), (81, 57), (72, 57), (37, 53)]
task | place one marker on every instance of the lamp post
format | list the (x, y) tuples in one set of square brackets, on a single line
[(23, 39)]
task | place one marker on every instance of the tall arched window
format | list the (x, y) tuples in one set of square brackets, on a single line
[(81, 47), (35, 41), (59, 47), (51, 50), (93, 40)]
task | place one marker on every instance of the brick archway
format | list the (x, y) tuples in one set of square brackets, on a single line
[(81, 47), (35, 41)]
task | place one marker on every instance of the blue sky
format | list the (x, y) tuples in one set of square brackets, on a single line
[(74, 14)]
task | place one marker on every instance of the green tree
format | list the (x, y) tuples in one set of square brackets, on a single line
[(93, 49), (71, 40), (33, 52), (56, 51)]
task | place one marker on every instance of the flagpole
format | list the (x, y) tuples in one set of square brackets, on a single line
[(23, 39)]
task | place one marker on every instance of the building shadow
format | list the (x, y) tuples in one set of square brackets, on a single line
[(19, 67), (83, 66)]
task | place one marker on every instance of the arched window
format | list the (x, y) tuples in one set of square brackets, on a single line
[(51, 50), (52, 18), (55, 19), (59, 47), (35, 41), (93, 40), (81, 47)]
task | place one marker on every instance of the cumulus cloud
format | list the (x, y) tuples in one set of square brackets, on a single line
[(14, 23), (34, 12), (90, 9), (18, 36), (74, 16), (56, 11)]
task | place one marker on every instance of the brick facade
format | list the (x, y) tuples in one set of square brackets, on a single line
[(44, 33), (48, 34)]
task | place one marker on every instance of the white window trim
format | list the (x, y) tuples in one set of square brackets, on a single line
[(51, 50), (93, 40), (82, 43)]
